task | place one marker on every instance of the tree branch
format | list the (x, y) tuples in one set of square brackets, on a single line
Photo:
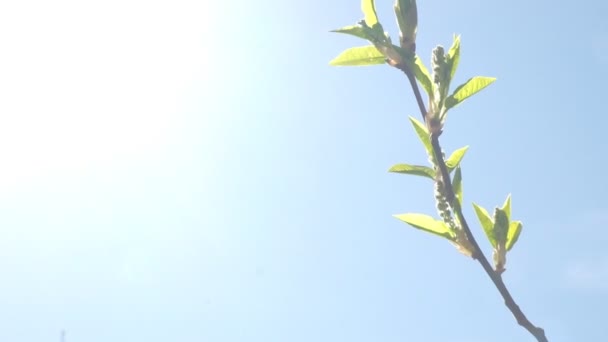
[(496, 277)]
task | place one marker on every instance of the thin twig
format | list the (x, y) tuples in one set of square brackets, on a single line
[(521, 318)]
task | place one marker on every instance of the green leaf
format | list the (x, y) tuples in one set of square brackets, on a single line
[(416, 170), (355, 30), (454, 159), (506, 207), (468, 89), (359, 56), (454, 56), (501, 226), (423, 134), (486, 223), (369, 10), (427, 223), (457, 184), (515, 228), (423, 76), (371, 21), (375, 34)]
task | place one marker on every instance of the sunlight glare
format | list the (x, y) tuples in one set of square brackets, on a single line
[(88, 84)]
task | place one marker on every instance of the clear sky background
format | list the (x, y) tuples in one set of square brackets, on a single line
[(196, 171)]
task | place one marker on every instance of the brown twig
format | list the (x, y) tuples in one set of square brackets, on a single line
[(521, 318)]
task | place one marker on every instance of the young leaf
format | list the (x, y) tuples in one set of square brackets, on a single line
[(369, 10), (454, 56), (416, 170), (427, 223), (423, 76), (468, 89), (501, 226), (457, 184), (359, 56), (455, 158), (355, 30), (423, 134), (486, 223), (506, 207), (514, 231)]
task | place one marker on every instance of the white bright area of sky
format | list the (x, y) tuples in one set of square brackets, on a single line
[(95, 97), (90, 84)]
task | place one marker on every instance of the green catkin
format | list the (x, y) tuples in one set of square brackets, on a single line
[(441, 201), (438, 64), (446, 212)]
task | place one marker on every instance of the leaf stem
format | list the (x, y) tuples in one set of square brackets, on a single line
[(478, 255)]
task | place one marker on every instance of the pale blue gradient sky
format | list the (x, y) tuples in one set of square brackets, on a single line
[(195, 171)]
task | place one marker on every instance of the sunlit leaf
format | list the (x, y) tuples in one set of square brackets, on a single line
[(423, 134), (486, 223), (468, 89), (515, 228), (453, 57), (454, 160), (369, 11), (355, 30), (423, 76), (416, 170), (359, 56), (427, 223), (506, 207)]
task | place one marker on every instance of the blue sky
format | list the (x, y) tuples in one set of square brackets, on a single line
[(196, 171)]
